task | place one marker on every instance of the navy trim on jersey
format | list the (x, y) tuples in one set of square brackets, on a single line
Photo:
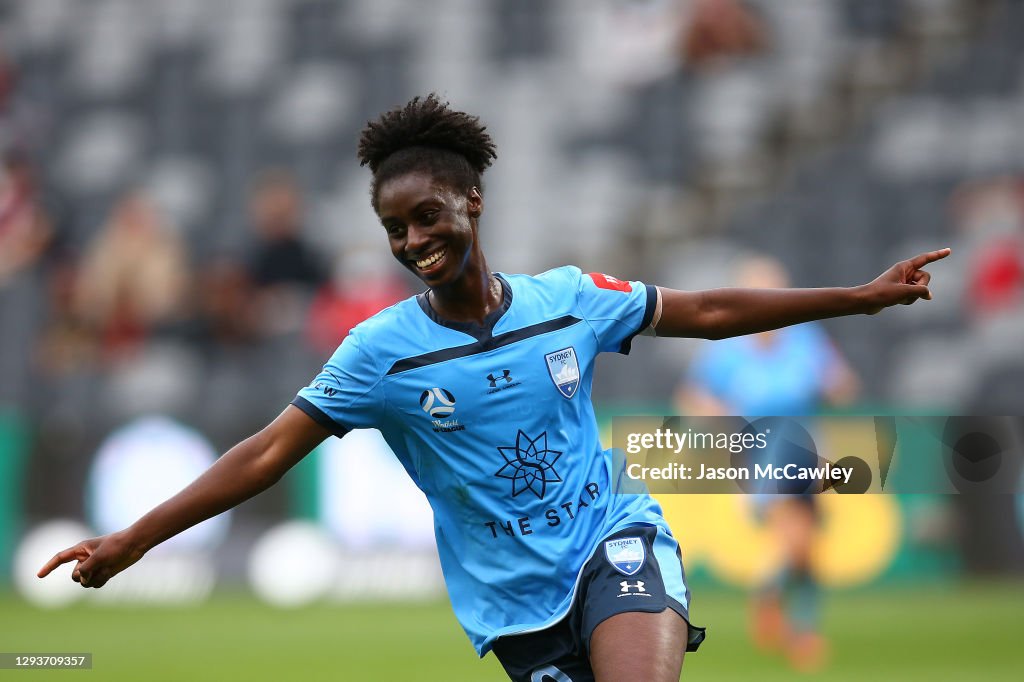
[(652, 304), (475, 330), (486, 344), (318, 415)]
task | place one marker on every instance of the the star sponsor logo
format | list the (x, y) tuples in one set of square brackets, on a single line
[(529, 464)]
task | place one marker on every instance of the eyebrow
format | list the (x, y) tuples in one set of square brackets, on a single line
[(415, 208), (425, 201)]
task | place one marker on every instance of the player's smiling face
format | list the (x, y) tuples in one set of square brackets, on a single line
[(431, 226)]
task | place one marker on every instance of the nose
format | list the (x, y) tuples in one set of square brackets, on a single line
[(416, 238)]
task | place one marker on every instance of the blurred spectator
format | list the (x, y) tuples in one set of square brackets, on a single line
[(997, 277), (638, 43), (133, 277), (67, 343), (788, 372), (284, 271), (361, 287), (719, 29), (26, 234), (36, 272), (25, 229), (991, 212), (225, 304), (7, 82), (23, 121)]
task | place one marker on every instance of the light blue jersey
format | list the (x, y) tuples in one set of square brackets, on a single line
[(495, 424), (787, 375)]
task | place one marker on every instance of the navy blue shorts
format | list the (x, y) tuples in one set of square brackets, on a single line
[(637, 569)]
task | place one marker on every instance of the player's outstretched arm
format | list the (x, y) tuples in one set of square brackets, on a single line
[(721, 313), (249, 468)]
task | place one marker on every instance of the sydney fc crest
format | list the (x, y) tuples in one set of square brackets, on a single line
[(626, 555), (564, 370)]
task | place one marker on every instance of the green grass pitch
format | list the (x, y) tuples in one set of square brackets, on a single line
[(935, 633)]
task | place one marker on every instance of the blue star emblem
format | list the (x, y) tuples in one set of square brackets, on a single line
[(530, 464)]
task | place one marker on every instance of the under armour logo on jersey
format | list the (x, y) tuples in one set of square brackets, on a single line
[(627, 586), (506, 375)]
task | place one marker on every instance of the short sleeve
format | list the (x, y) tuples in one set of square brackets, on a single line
[(347, 393), (617, 310)]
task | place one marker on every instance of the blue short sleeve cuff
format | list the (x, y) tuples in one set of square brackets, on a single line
[(319, 416), (652, 304)]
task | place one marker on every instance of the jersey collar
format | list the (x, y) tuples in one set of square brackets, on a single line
[(478, 332)]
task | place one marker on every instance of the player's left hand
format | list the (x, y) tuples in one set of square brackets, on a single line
[(903, 283)]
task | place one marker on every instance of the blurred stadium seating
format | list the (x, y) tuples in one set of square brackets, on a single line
[(841, 135), (836, 146), (660, 140)]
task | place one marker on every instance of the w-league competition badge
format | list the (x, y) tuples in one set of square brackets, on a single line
[(437, 402), (626, 555), (564, 370)]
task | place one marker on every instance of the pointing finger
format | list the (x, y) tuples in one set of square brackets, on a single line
[(930, 257), (59, 558)]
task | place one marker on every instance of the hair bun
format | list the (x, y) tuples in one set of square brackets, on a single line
[(426, 122)]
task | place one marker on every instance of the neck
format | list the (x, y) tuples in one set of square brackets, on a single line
[(471, 298)]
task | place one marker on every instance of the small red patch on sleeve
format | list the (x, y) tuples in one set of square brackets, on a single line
[(610, 283)]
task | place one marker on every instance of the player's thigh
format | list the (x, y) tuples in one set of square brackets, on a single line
[(639, 646)]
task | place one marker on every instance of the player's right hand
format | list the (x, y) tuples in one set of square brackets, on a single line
[(99, 559), (903, 283)]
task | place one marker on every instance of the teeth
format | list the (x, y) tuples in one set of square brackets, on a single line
[(431, 259)]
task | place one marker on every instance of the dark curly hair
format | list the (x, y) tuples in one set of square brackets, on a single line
[(425, 135)]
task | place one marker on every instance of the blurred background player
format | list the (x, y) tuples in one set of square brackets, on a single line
[(787, 372)]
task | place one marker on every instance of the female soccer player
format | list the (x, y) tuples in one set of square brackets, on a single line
[(481, 385)]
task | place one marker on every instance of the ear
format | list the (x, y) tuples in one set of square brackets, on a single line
[(474, 203)]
